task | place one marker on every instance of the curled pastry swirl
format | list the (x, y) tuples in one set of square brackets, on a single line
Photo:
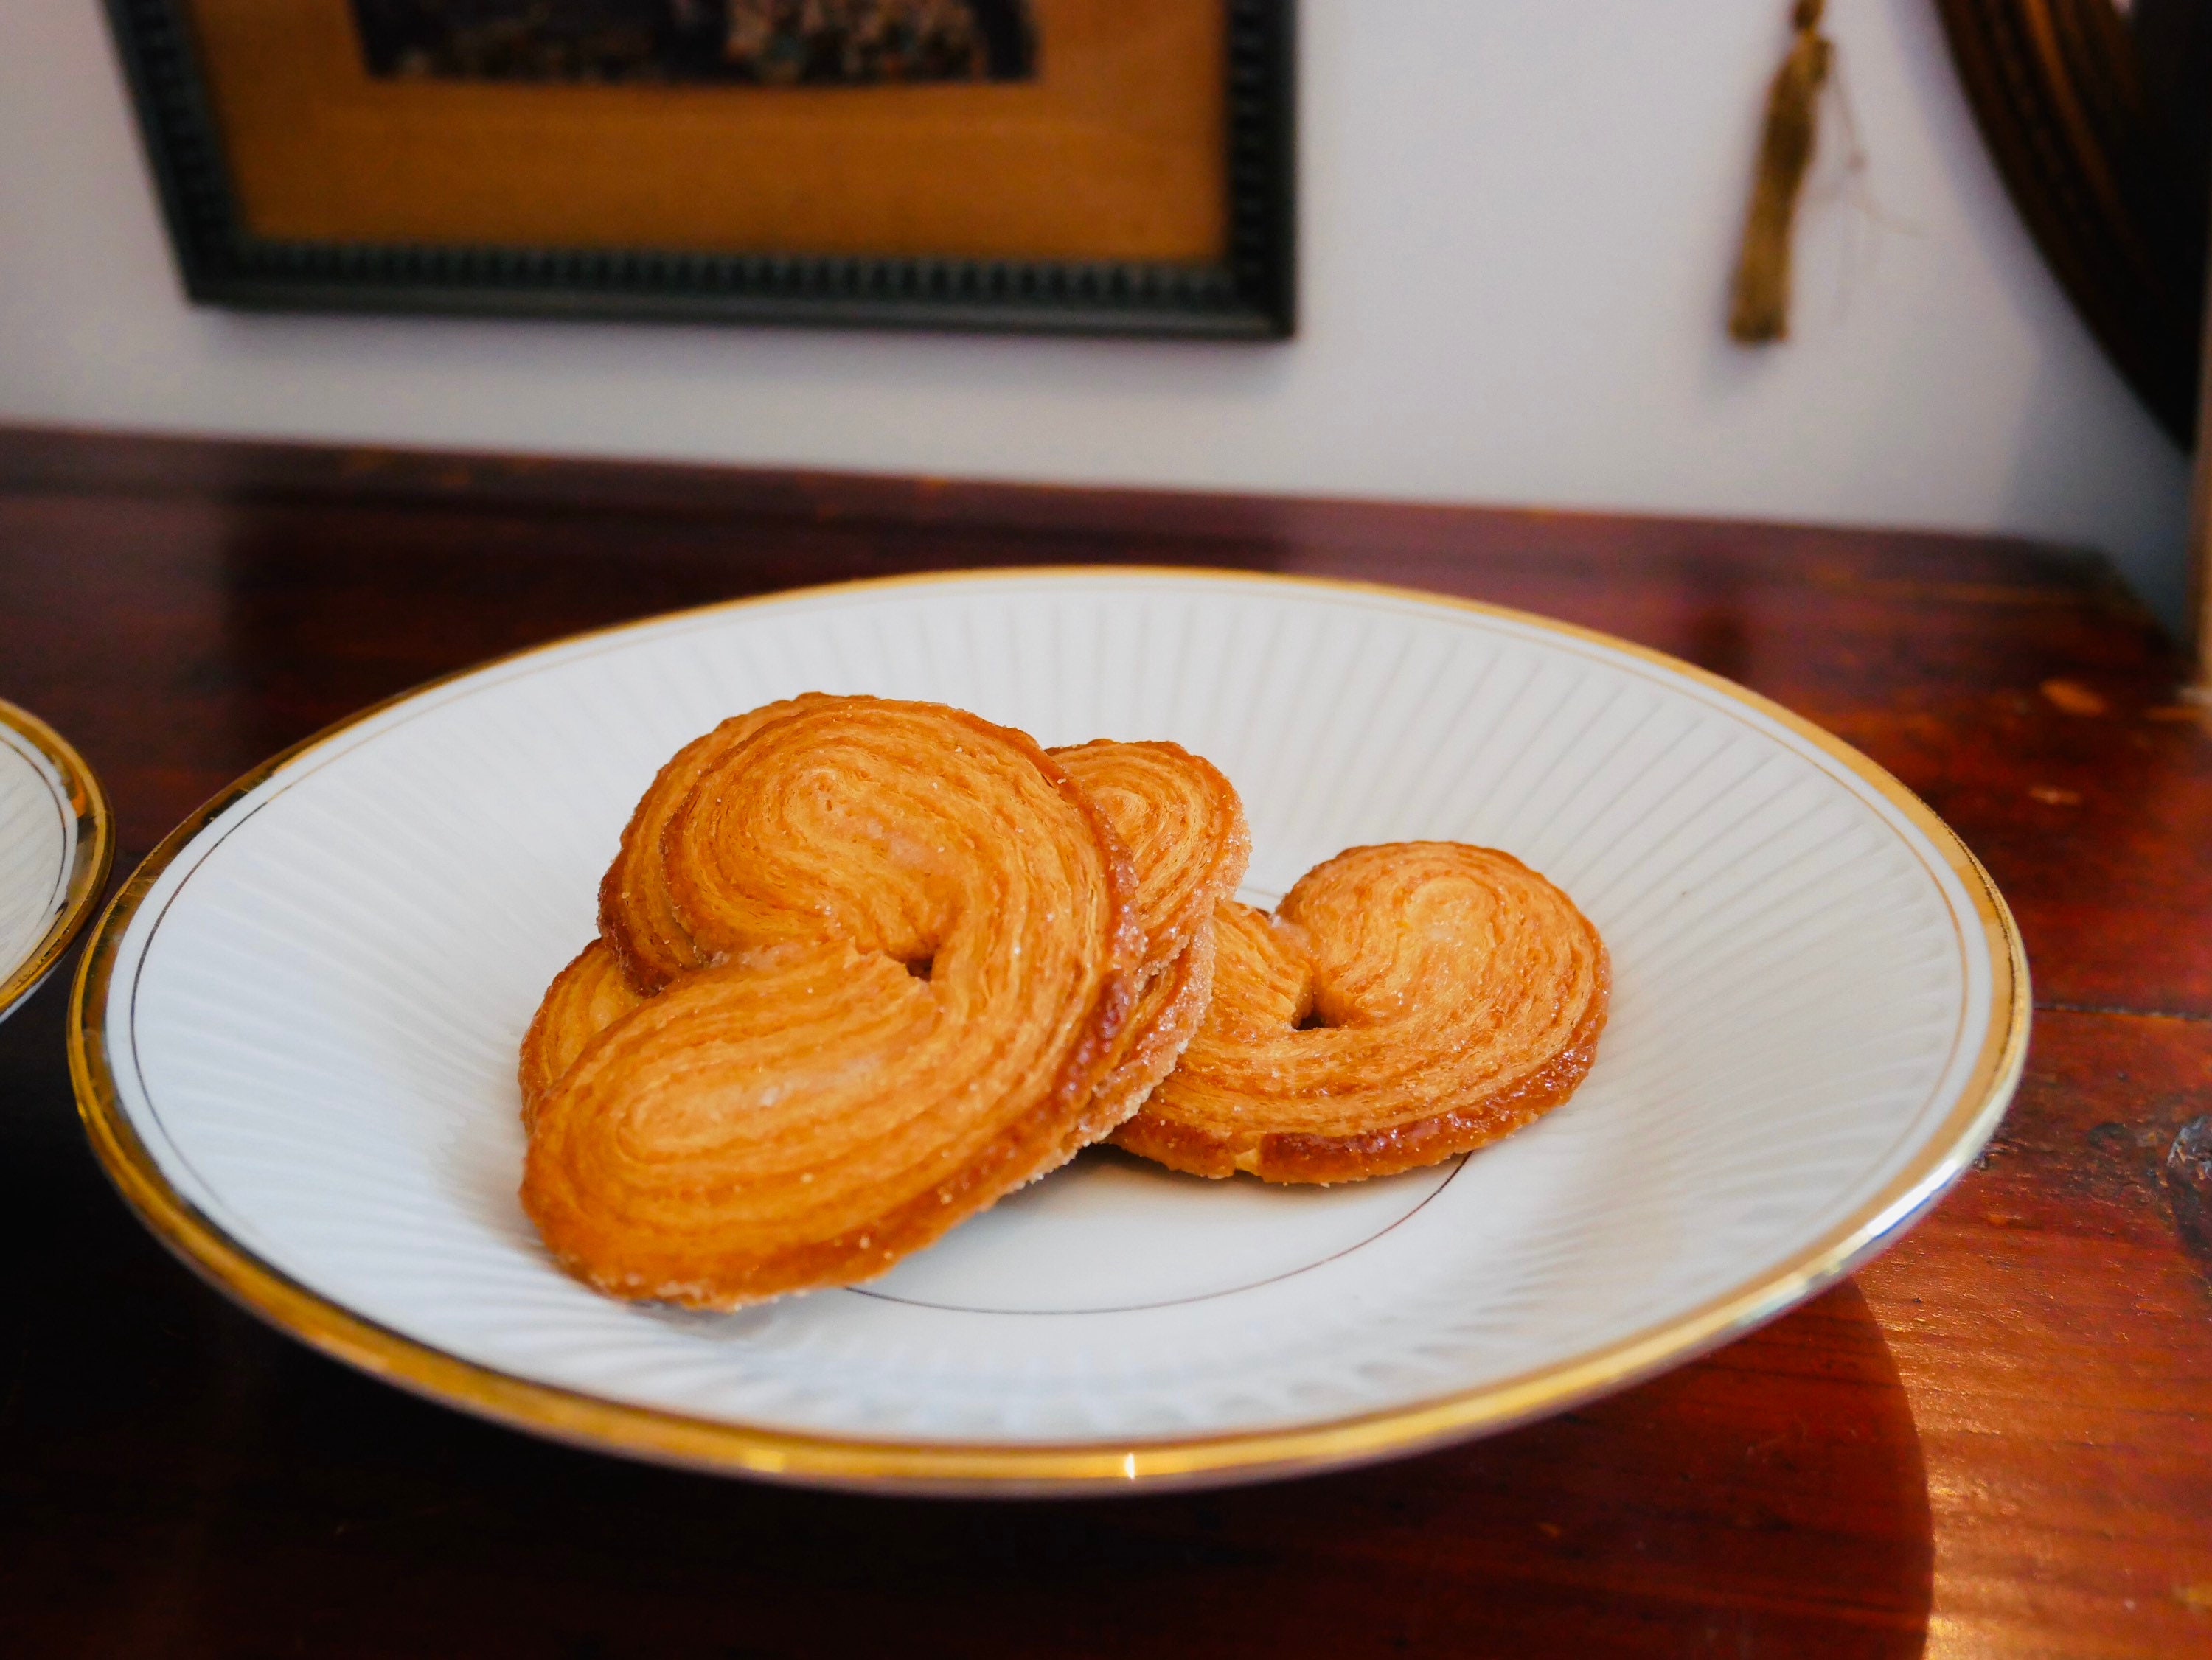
[(637, 918), (588, 997), (914, 951), (1184, 826), (1404, 1003)]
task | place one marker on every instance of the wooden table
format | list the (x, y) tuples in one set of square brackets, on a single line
[(1996, 1441)]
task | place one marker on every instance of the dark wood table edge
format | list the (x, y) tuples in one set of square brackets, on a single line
[(74, 460)]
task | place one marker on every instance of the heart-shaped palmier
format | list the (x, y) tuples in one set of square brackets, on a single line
[(917, 951), (1184, 827), (1405, 1002)]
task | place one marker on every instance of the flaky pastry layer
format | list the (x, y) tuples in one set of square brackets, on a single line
[(585, 998), (1184, 826), (637, 918)]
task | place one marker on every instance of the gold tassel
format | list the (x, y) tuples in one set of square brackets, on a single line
[(1760, 310)]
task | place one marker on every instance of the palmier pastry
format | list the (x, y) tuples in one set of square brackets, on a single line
[(916, 949), (1184, 827), (1404, 1003)]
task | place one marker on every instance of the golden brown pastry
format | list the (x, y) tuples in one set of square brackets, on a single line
[(1404, 1003), (1184, 827), (588, 997), (1169, 1010), (919, 950)]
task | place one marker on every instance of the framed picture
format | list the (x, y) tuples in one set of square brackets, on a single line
[(1096, 166)]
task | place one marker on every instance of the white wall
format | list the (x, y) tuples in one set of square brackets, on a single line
[(1518, 221)]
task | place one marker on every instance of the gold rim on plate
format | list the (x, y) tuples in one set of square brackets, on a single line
[(719, 1445), (92, 852)]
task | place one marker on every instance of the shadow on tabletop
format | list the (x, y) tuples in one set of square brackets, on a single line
[(177, 1479)]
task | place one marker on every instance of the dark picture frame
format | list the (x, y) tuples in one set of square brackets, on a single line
[(1249, 293)]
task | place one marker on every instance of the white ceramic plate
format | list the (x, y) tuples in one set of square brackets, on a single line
[(296, 1041), (54, 850)]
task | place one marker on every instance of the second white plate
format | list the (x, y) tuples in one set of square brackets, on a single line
[(55, 847)]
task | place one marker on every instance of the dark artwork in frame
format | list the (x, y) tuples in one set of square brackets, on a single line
[(777, 43), (745, 50)]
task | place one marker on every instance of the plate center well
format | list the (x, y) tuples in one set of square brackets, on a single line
[(1111, 1232)]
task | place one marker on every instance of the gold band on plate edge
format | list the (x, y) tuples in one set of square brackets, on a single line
[(92, 853), (595, 1422)]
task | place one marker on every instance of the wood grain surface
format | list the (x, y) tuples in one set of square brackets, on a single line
[(1996, 1441)]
